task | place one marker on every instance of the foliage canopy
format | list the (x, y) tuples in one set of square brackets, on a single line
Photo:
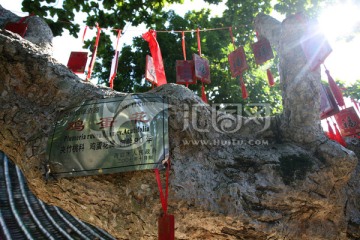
[(216, 45)]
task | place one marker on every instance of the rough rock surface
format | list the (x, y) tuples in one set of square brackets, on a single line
[(287, 182), (353, 193), (38, 32)]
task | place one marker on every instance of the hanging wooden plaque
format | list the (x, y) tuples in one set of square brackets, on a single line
[(237, 62), (202, 68), (185, 72)]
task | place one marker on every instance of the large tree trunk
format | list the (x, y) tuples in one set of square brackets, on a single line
[(294, 187)]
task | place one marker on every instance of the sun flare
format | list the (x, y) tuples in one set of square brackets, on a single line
[(339, 20)]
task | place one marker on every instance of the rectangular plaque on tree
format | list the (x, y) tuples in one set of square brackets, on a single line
[(110, 135)]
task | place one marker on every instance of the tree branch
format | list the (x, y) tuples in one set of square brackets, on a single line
[(219, 187)]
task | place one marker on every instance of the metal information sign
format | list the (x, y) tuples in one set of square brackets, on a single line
[(110, 135)]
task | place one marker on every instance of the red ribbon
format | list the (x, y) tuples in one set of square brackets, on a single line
[(115, 61), (331, 133), (183, 44), (198, 40), (203, 94), (270, 78), (243, 88), (338, 136), (83, 37), (184, 49), (93, 57), (232, 37), (150, 37), (163, 198)]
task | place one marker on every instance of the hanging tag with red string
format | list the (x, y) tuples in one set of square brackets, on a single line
[(202, 72), (348, 121), (93, 57), (166, 222), (77, 62), (328, 105), (202, 68), (185, 69), (262, 53), (185, 72), (78, 59), (238, 65), (115, 61), (19, 27), (335, 89)]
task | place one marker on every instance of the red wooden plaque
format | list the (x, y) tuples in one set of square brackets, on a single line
[(315, 46), (202, 68), (328, 105), (77, 62), (19, 28), (348, 121), (150, 73), (237, 62), (166, 227), (185, 72), (262, 51)]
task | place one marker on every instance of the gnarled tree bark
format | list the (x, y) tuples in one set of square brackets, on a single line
[(293, 189)]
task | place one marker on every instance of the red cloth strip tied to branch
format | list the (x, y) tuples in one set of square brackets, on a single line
[(150, 37), (93, 57), (115, 61)]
